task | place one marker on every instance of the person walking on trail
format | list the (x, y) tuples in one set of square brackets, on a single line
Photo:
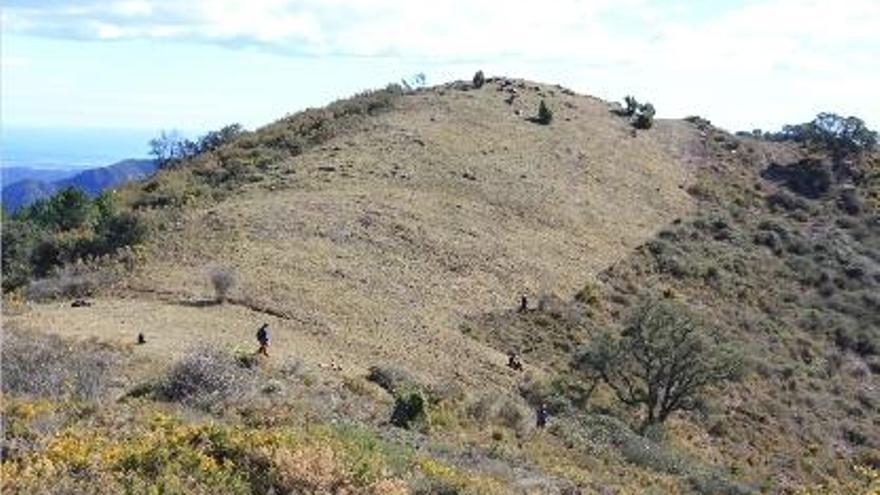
[(541, 416), (263, 339)]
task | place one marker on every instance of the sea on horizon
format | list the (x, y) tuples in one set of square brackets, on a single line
[(67, 148)]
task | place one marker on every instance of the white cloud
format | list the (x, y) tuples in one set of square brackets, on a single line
[(435, 30), (761, 57), (7, 63)]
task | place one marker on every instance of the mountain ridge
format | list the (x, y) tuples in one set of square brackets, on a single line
[(389, 240), (91, 181)]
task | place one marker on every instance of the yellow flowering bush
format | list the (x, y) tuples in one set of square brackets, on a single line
[(161, 454), (865, 482)]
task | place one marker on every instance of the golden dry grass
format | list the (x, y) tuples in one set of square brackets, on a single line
[(374, 246)]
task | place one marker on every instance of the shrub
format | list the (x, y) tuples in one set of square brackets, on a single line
[(644, 116), (514, 415), (222, 279), (67, 209), (434, 486), (850, 202), (40, 365), (207, 377), (859, 341), (641, 115), (507, 411), (631, 106), (783, 200), (562, 394), (77, 280), (590, 294), (661, 362), (545, 115), (64, 284), (841, 136), (117, 231), (19, 238), (64, 229), (410, 408), (391, 378), (810, 178), (479, 79), (715, 483), (154, 452)]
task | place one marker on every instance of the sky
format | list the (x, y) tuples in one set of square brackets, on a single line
[(201, 64)]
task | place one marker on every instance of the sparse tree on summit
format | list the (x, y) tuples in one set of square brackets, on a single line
[(479, 79)]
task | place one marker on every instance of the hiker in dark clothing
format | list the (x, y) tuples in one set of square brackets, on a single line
[(541, 416), (141, 339), (263, 339), (513, 361), (523, 304)]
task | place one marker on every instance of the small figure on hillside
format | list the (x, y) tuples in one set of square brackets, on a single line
[(141, 338), (80, 303), (513, 361), (523, 304), (541, 416), (263, 339)]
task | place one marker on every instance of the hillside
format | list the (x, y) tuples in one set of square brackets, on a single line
[(389, 210), (387, 240), (786, 273), (17, 194)]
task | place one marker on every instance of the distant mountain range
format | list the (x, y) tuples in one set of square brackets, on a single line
[(11, 175), (23, 186)]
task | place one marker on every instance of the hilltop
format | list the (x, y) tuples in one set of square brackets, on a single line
[(449, 205), (387, 239)]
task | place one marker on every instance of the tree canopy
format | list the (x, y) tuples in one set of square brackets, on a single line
[(840, 135), (661, 362)]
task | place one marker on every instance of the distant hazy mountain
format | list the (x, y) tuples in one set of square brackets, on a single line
[(25, 192), (92, 182), (11, 175)]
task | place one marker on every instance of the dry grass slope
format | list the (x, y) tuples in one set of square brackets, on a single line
[(373, 247)]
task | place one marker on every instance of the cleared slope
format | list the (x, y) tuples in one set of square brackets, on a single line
[(374, 246)]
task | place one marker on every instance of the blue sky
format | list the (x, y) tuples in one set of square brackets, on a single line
[(200, 64)]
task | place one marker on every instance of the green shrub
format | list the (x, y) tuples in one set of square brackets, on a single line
[(839, 135), (61, 230), (545, 115), (118, 230), (19, 239), (810, 178), (641, 115), (631, 105), (410, 408), (67, 209), (644, 116), (479, 79)]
